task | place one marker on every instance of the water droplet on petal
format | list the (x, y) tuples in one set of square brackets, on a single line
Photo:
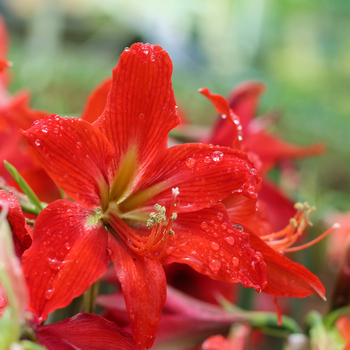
[(45, 130), (55, 264), (214, 246), (37, 142), (218, 156), (230, 240), (215, 265), (49, 293), (207, 160), (220, 215), (127, 49), (253, 171), (67, 246), (239, 227), (190, 162), (204, 225), (235, 261)]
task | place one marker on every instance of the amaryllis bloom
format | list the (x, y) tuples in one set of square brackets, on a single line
[(252, 136), (284, 277), (136, 201)]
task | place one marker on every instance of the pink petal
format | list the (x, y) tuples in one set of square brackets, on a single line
[(140, 108), (85, 332), (67, 255), (208, 242), (74, 154), (144, 288)]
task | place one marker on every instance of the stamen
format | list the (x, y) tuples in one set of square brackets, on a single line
[(155, 243), (282, 240)]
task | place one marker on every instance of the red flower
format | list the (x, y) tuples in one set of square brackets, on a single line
[(284, 277), (137, 202)]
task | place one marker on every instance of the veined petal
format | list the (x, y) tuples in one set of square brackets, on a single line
[(75, 154), (141, 108), (286, 278), (96, 101), (204, 174), (68, 254), (85, 332), (208, 242), (144, 288)]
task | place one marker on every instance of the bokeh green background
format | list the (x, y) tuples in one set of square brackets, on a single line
[(299, 48)]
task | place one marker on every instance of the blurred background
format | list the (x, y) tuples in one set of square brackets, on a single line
[(61, 49)]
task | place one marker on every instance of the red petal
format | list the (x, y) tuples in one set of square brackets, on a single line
[(74, 154), (18, 111), (85, 332), (286, 278), (204, 174), (272, 150), (219, 102), (97, 101), (140, 108), (67, 255), (16, 218), (279, 208), (144, 288), (208, 242), (240, 208), (244, 100)]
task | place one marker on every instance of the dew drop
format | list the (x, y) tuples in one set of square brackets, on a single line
[(204, 225), (214, 246), (37, 142), (49, 293), (218, 156), (44, 130), (223, 116), (229, 170), (235, 261), (215, 265), (207, 160), (190, 162), (79, 144), (230, 240), (127, 49), (67, 246), (239, 227), (220, 215), (55, 264)]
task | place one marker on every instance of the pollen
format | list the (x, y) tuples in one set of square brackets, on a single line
[(156, 217)]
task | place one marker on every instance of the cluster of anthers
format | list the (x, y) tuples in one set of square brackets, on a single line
[(161, 228), (282, 240)]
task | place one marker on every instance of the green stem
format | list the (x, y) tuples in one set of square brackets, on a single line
[(90, 297)]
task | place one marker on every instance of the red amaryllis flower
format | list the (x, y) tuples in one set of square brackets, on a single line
[(265, 149), (284, 277), (137, 202)]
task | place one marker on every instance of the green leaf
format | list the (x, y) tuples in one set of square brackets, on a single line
[(39, 206)]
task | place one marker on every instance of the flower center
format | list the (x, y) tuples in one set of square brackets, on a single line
[(152, 240)]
